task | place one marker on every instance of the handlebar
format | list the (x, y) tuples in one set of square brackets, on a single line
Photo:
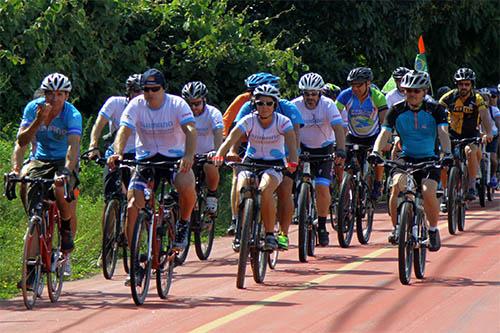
[(10, 189), (256, 166), (159, 165)]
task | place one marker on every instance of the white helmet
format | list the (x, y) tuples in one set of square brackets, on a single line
[(311, 81), (416, 80), (56, 81), (267, 90)]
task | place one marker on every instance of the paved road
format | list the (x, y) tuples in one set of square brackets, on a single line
[(340, 290)]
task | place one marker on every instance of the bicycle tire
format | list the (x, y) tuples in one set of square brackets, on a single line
[(121, 231), (258, 257), (246, 223), (489, 193), (204, 233), (55, 279), (140, 264), (454, 188), (481, 189), (303, 205), (166, 263), (345, 211), (465, 181), (109, 238), (420, 252), (30, 296), (405, 244), (364, 230), (272, 257)]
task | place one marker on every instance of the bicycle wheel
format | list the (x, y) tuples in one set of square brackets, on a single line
[(272, 257), (258, 257), (454, 199), (56, 273), (366, 210), (489, 192), (405, 247), (481, 188), (204, 231), (246, 219), (420, 252), (461, 219), (335, 194), (140, 263), (345, 211), (304, 215), (312, 232), (109, 238), (166, 261), (31, 266)]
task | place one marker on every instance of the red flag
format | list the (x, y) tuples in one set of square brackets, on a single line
[(421, 47)]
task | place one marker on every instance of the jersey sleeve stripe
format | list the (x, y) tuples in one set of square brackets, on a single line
[(187, 120)]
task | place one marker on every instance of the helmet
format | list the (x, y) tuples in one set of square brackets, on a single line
[(484, 92), (359, 75), (441, 91), (257, 79), (465, 74), (399, 73), (56, 81), (494, 91), (416, 80), (311, 81), (330, 90), (133, 82), (267, 90), (194, 90)]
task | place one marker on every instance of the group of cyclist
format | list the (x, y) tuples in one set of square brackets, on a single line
[(260, 127)]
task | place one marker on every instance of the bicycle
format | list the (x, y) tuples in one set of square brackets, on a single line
[(252, 231), (42, 252), (411, 228), (113, 231), (355, 202), (458, 180), (154, 233), (484, 190), (306, 204)]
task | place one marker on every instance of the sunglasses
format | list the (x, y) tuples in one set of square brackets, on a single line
[(310, 93), (153, 89), (261, 103), (413, 91), (195, 104)]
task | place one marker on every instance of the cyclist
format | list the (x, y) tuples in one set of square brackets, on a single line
[(366, 108), (466, 109), (323, 129), (54, 127), (441, 91), (268, 132), (418, 122), (330, 90), (491, 95), (396, 94), (165, 131), (237, 151), (209, 130), (110, 114), (285, 188)]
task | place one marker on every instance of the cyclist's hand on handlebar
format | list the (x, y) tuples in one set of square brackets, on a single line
[(218, 160), (340, 156), (112, 160), (375, 158), (59, 177), (186, 163), (233, 157), (487, 138), (211, 154), (94, 153), (447, 160), (292, 166)]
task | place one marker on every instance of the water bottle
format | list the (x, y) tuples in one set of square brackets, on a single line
[(414, 232)]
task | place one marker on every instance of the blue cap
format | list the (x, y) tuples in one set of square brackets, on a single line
[(152, 77)]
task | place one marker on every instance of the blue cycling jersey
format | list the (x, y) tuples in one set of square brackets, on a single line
[(285, 108), (417, 129), (52, 139)]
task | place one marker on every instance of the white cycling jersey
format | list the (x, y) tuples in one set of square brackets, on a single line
[(393, 97), (112, 110), (206, 123), (317, 131), (158, 131), (265, 143)]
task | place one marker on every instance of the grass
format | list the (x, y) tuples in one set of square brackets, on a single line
[(88, 237)]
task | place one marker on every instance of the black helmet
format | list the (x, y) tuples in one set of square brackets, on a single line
[(399, 73), (133, 83), (330, 90), (441, 91), (465, 74), (359, 75)]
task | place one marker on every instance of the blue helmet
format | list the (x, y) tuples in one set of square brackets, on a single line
[(257, 79)]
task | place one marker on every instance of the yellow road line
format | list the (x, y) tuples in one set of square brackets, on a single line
[(306, 285)]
